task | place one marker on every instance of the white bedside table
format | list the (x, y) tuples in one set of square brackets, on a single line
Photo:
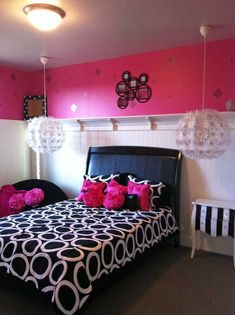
[(214, 217)]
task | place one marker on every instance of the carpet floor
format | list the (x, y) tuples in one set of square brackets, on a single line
[(167, 283)]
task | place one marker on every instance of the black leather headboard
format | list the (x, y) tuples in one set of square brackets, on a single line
[(159, 164)]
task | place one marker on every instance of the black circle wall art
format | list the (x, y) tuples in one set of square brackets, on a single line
[(132, 88)]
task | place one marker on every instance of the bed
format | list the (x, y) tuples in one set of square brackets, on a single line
[(69, 251)]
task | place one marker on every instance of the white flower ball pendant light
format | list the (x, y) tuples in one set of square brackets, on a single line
[(44, 134), (203, 134)]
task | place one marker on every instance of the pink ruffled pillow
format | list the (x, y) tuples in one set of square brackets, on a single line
[(16, 203), (88, 183), (94, 196), (143, 193), (115, 195), (6, 192), (34, 196), (114, 199), (114, 185)]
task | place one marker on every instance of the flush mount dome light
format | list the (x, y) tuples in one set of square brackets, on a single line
[(45, 17)]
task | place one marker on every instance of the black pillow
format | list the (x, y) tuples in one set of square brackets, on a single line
[(123, 180), (131, 202)]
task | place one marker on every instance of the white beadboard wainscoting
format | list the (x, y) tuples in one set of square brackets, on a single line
[(15, 154), (213, 179)]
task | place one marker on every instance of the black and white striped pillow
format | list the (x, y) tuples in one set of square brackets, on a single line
[(159, 192)]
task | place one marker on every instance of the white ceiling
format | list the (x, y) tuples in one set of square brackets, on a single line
[(103, 29)]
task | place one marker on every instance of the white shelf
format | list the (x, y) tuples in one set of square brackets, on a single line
[(146, 122)]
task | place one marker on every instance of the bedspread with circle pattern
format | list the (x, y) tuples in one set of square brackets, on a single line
[(63, 248)]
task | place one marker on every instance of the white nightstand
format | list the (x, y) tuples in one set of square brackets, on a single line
[(214, 217)]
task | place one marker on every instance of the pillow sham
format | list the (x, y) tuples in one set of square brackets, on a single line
[(142, 191), (102, 178), (160, 192)]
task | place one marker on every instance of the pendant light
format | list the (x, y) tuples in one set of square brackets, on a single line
[(44, 134), (203, 134)]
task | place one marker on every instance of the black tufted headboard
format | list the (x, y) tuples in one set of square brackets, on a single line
[(159, 164)]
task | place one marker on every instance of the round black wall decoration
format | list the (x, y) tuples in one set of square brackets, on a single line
[(132, 88)]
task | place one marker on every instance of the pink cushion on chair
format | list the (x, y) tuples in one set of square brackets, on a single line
[(16, 203), (34, 196), (6, 192), (142, 191)]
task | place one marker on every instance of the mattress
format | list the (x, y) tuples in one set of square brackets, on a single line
[(65, 248)]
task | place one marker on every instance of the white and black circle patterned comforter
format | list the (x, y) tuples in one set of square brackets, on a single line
[(63, 248)]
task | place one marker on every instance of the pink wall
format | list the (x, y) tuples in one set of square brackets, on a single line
[(175, 76), (14, 84)]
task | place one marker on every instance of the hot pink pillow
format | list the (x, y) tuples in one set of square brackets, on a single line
[(114, 185), (114, 199), (142, 191), (94, 196), (115, 195), (6, 192), (34, 196), (16, 203), (88, 183)]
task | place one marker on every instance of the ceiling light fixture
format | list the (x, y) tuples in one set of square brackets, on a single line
[(43, 16), (203, 134)]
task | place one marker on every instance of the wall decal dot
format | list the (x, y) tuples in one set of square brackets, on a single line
[(98, 71), (171, 60), (13, 76), (217, 93), (49, 78)]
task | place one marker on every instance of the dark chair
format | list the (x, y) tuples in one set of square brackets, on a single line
[(52, 192)]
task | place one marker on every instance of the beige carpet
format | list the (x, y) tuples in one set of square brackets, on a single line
[(167, 283)]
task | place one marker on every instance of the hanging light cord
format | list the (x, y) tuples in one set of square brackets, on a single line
[(44, 87), (204, 76)]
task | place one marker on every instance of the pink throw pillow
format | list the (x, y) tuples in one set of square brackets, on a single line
[(16, 203), (114, 185), (34, 197), (142, 191), (114, 199), (94, 196), (88, 183)]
